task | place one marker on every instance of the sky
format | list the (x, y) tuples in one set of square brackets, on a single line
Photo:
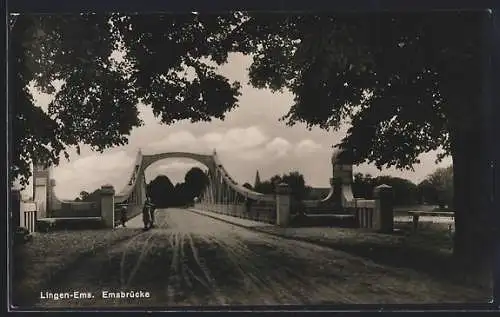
[(250, 138)]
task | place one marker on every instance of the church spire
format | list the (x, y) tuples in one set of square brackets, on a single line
[(257, 179)]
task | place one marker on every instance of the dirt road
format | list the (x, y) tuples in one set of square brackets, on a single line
[(190, 259)]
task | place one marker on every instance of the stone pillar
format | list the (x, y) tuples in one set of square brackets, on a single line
[(53, 203), (108, 205), (283, 204), (383, 218), (41, 194)]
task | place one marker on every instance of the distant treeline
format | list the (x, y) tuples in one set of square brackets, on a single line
[(436, 189)]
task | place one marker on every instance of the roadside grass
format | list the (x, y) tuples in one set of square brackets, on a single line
[(37, 263), (428, 251)]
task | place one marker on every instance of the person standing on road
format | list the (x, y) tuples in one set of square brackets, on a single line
[(151, 210), (146, 214), (123, 215)]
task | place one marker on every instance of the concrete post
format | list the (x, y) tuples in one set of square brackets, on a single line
[(108, 205), (383, 219), (283, 204), (53, 203), (41, 195)]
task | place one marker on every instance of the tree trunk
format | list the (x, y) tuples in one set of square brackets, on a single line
[(468, 94), (473, 240)]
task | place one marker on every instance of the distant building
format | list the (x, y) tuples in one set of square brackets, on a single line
[(257, 179)]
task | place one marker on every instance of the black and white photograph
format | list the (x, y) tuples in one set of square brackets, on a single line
[(249, 159)]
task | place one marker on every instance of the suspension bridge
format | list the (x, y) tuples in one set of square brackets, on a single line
[(222, 195)]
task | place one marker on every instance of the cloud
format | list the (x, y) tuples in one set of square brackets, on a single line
[(174, 142), (234, 139), (231, 140), (278, 146), (179, 166), (306, 147), (91, 172)]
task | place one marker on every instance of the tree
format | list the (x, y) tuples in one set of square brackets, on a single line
[(161, 191), (96, 104), (295, 181), (363, 186), (442, 182), (427, 192), (297, 185), (265, 187), (404, 191), (181, 195), (196, 180), (248, 186), (407, 84), (84, 195)]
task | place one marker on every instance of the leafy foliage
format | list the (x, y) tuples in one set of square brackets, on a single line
[(295, 181), (94, 105), (248, 186), (168, 63), (164, 194), (404, 191), (172, 57), (161, 191), (196, 180), (95, 196), (441, 181), (394, 77), (407, 83)]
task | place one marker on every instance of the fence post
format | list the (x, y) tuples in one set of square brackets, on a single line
[(383, 219), (108, 205), (15, 208), (15, 212), (283, 201)]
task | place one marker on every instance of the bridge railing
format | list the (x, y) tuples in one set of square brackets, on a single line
[(77, 209), (28, 212), (257, 211), (376, 214)]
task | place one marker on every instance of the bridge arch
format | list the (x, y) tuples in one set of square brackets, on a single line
[(206, 160)]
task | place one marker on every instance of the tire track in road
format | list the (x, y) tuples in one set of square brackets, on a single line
[(146, 247), (184, 263), (269, 281), (122, 262), (200, 262), (281, 279), (173, 286), (295, 282), (247, 272)]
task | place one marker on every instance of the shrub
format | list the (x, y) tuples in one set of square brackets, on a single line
[(55, 224), (21, 236)]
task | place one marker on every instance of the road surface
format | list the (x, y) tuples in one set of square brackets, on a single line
[(190, 259)]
